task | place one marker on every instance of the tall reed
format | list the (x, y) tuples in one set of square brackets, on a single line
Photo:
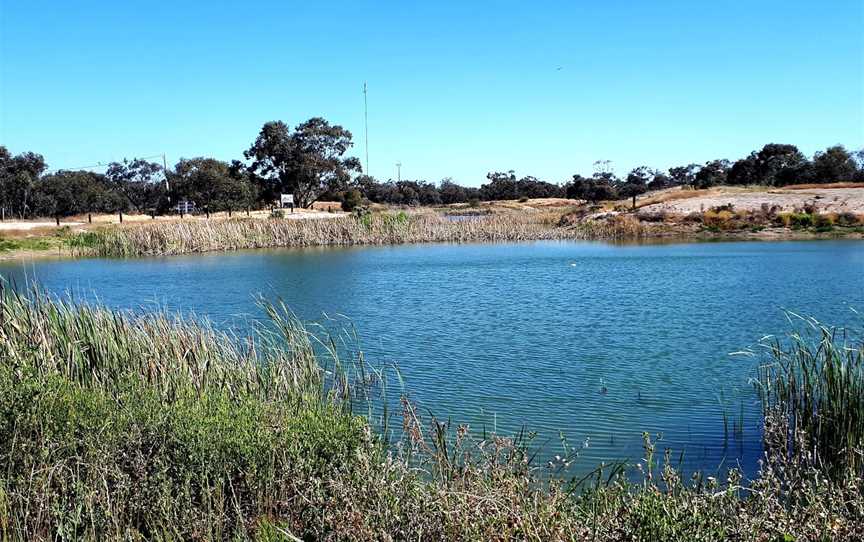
[(203, 236), (817, 384), (122, 427)]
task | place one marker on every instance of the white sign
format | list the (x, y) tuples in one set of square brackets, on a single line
[(287, 199)]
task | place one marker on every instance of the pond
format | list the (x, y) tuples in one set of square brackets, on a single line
[(592, 340)]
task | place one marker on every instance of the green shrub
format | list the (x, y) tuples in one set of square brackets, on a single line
[(351, 200), (802, 220)]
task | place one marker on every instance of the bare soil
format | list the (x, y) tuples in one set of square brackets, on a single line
[(823, 200)]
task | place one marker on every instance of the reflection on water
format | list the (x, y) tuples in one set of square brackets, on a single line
[(596, 340)]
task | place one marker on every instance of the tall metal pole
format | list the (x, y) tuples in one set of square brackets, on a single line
[(165, 172), (399, 171), (366, 124)]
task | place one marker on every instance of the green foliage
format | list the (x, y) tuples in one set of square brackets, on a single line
[(307, 162), (351, 200), (121, 428), (817, 385)]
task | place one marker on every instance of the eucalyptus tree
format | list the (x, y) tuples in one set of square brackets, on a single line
[(306, 162)]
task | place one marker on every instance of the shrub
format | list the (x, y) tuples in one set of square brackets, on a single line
[(351, 200), (802, 220), (718, 219)]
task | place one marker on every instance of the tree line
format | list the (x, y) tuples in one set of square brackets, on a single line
[(310, 161)]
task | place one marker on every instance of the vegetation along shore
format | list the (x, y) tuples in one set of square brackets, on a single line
[(121, 427), (775, 192)]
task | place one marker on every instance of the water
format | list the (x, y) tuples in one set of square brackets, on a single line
[(597, 341)]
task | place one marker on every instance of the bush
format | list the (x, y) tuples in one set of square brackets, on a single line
[(351, 200), (802, 220)]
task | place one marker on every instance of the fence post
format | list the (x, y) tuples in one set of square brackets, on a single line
[(89, 218), (57, 218), (121, 217)]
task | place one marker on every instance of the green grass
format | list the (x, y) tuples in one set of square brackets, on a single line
[(27, 243), (60, 239), (122, 427)]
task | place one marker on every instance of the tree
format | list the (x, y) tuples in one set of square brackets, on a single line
[(712, 173), (777, 163), (532, 187), (660, 181), (141, 182), (18, 177), (67, 193), (684, 175), (744, 171), (835, 164), (451, 192), (306, 162), (212, 184), (577, 188), (598, 188), (501, 186), (636, 183)]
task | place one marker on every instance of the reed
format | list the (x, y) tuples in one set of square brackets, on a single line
[(817, 384), (115, 426), (377, 229)]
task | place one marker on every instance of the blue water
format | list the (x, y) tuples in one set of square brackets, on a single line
[(597, 341)]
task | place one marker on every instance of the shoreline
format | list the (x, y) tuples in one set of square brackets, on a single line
[(651, 233)]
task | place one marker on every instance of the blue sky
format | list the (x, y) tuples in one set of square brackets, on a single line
[(455, 88)]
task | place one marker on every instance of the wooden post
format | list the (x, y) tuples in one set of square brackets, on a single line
[(57, 218), (207, 211), (247, 210), (89, 218), (121, 217), (229, 212)]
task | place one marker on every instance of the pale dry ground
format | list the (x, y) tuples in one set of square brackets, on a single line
[(824, 199), (42, 226), (23, 225)]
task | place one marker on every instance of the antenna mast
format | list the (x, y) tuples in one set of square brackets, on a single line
[(366, 121)]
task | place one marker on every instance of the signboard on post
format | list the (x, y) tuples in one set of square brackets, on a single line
[(287, 200)]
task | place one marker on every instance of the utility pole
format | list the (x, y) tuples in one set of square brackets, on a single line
[(398, 171), (366, 124), (165, 172)]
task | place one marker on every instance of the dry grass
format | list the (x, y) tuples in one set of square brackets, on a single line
[(818, 186), (378, 229)]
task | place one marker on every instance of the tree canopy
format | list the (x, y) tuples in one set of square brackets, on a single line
[(307, 162)]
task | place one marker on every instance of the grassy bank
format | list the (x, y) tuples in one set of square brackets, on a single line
[(374, 229), (114, 427)]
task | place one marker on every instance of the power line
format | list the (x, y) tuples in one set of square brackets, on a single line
[(101, 164)]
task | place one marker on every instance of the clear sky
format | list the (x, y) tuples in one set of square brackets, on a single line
[(455, 88)]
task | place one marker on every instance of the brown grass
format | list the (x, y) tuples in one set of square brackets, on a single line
[(378, 229)]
